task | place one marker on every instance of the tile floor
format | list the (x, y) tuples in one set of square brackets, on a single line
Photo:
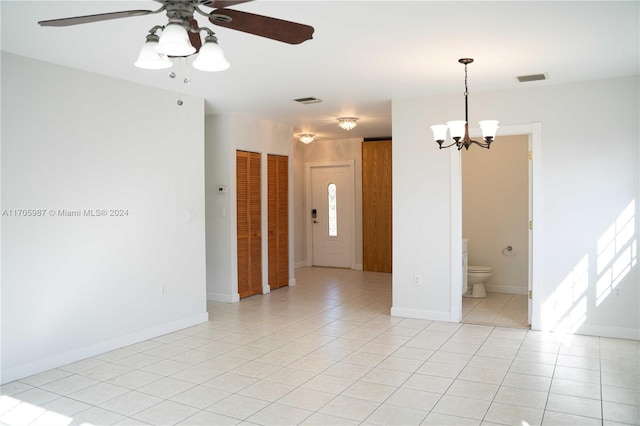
[(505, 310), (326, 352)]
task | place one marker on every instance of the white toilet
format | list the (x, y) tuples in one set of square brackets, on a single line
[(476, 276)]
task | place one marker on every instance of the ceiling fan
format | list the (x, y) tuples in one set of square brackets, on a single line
[(181, 36)]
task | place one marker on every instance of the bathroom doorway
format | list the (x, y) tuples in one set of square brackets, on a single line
[(495, 221), (533, 134)]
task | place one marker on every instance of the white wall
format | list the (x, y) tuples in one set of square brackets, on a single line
[(324, 151), (225, 134), (73, 287), (495, 211), (590, 180)]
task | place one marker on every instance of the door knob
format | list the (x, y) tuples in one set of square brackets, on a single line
[(315, 221)]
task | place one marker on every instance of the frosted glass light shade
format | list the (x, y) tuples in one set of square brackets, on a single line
[(174, 41), (456, 128), (306, 138), (150, 59), (489, 128), (347, 123), (210, 58), (439, 132)]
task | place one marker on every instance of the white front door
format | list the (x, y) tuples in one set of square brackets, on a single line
[(331, 215)]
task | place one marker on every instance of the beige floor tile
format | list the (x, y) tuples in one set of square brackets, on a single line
[(42, 378), (238, 406), (439, 419), (511, 415), (320, 419), (473, 390), (166, 388), (622, 413), (351, 408), (98, 393), (306, 399), (527, 381), (327, 383), (200, 397), (69, 385), (574, 405), (165, 413), (554, 419), (411, 398), (135, 379), (521, 397), (462, 407), (266, 390), (276, 414), (230, 382), (130, 403), (370, 391), (208, 418), (393, 415)]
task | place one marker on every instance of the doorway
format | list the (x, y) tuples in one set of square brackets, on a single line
[(331, 214), (495, 217), (534, 133)]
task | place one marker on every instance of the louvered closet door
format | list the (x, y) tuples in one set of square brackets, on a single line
[(278, 202), (248, 223)]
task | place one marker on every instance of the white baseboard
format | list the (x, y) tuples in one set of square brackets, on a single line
[(302, 264), (508, 289), (225, 298), (606, 331), (266, 289), (24, 370), (358, 267), (421, 314), (292, 282)]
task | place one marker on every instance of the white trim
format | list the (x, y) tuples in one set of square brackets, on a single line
[(225, 298), (534, 130), (420, 314), (606, 331), (35, 367), (456, 236), (309, 201), (506, 289), (292, 282)]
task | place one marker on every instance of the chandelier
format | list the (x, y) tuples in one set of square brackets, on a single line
[(347, 123), (460, 129)]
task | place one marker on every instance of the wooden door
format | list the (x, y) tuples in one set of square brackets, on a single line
[(278, 206), (376, 206), (248, 223)]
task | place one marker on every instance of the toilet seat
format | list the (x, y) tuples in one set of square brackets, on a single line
[(478, 269)]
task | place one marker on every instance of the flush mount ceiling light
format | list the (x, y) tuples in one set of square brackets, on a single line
[(347, 123), (306, 138), (460, 129)]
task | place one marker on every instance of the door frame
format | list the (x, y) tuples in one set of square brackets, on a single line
[(534, 133), (351, 206)]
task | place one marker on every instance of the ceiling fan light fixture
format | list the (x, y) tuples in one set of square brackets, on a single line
[(211, 58), (347, 123), (306, 138), (149, 58), (174, 41)]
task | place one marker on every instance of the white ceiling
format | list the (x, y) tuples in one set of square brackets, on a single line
[(363, 54)]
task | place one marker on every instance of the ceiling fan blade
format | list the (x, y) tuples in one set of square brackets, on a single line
[(194, 38), (264, 26), (65, 22), (219, 4)]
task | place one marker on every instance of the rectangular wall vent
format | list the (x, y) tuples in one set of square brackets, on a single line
[(532, 77), (308, 100)]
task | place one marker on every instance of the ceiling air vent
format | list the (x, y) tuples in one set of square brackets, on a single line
[(532, 77), (308, 100)]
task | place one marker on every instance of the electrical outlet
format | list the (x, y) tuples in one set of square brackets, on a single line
[(417, 280)]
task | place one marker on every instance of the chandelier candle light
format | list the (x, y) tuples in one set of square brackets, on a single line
[(460, 129)]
